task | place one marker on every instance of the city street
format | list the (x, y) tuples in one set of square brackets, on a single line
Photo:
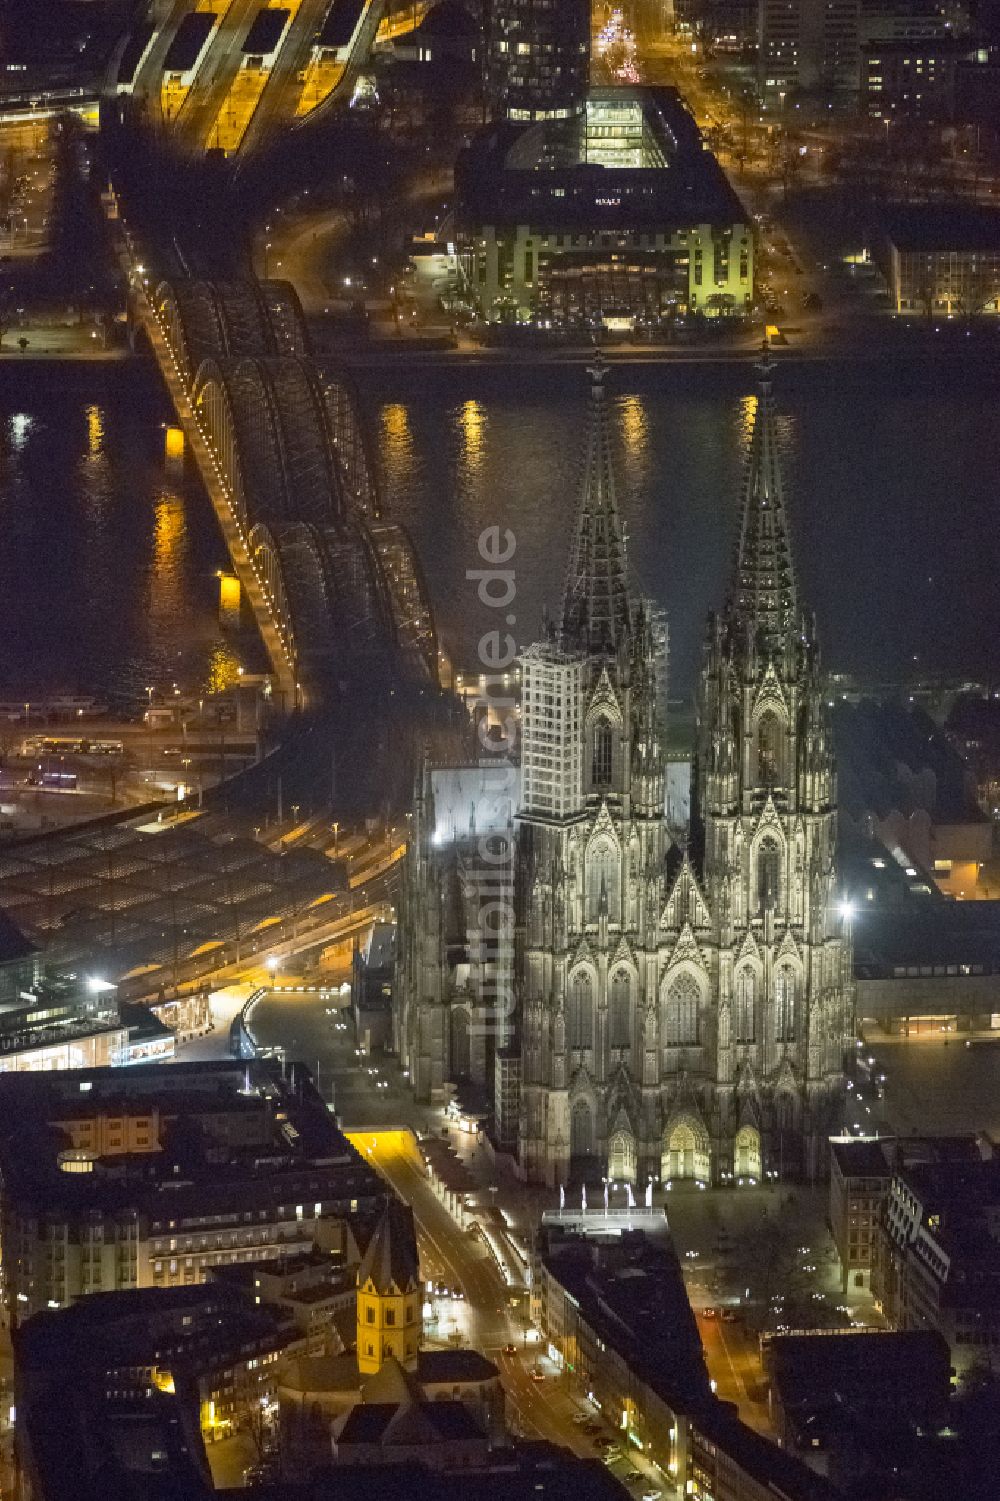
[(486, 1316), (541, 1401), (369, 1092), (26, 183)]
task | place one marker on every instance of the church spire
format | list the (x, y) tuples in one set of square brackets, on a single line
[(762, 595), (597, 610)]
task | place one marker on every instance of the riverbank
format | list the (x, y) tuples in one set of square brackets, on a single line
[(883, 342)]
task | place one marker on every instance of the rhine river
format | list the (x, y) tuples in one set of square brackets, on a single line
[(108, 553)]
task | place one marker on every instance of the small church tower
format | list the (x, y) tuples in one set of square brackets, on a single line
[(388, 1294)]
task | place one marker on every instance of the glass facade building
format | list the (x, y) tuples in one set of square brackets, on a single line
[(539, 58)]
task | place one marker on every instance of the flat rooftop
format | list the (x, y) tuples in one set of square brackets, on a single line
[(635, 161), (909, 1366), (148, 1325), (631, 1292), (953, 226), (903, 924), (861, 1159), (294, 1145), (189, 38)]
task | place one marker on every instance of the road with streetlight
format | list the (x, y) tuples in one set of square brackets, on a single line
[(541, 1400), (381, 1119)]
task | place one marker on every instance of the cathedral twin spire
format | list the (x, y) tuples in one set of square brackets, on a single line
[(763, 595), (597, 606), (598, 609)]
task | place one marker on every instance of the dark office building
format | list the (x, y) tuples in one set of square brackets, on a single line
[(539, 58)]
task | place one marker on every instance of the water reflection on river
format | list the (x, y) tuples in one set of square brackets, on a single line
[(108, 551), (892, 473)]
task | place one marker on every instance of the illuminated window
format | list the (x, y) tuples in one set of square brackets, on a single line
[(746, 1003), (580, 1011), (680, 1012), (784, 1005), (768, 875), (621, 1009), (602, 754), (769, 750)]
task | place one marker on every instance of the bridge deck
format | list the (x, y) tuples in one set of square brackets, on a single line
[(270, 627)]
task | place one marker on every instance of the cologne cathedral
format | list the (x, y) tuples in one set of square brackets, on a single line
[(681, 1010)]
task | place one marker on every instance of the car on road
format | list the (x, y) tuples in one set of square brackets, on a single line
[(632, 1476), (537, 1375), (709, 1312), (580, 1419), (510, 1349), (651, 1495)]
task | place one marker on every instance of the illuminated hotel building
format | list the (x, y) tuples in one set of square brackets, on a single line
[(621, 215)]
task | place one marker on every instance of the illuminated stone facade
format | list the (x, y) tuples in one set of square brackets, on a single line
[(684, 1014), (680, 1012)]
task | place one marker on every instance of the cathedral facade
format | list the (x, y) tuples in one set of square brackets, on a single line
[(682, 1012)]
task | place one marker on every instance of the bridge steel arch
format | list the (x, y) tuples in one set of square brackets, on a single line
[(213, 404), (411, 612), (268, 420), (285, 446), (351, 447), (205, 320), (313, 476), (266, 559), (189, 317)]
